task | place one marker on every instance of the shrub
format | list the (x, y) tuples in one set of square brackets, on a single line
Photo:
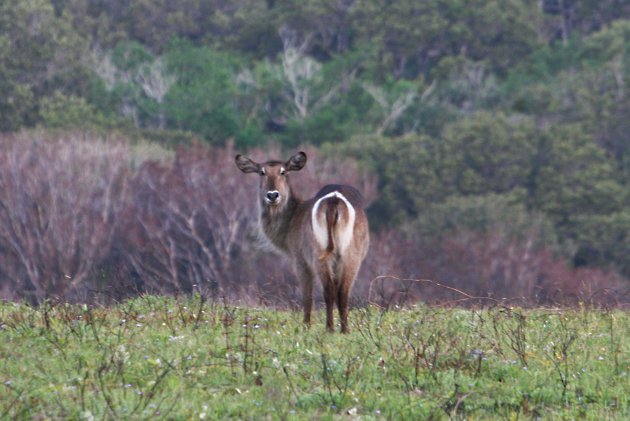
[(60, 203)]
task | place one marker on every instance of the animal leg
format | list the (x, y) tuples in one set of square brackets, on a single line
[(343, 295), (329, 297), (305, 274), (330, 292), (342, 304)]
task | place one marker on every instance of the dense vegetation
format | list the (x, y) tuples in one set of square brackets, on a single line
[(190, 359), (491, 125)]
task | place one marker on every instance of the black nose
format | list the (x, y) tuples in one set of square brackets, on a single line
[(272, 195)]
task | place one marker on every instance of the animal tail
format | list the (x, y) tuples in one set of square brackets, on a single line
[(332, 217)]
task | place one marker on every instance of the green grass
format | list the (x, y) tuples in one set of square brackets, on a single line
[(157, 357)]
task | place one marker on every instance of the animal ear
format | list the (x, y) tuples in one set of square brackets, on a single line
[(246, 165), (296, 162)]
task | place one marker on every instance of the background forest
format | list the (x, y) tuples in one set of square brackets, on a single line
[(492, 138)]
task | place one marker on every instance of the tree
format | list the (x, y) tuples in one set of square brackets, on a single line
[(61, 111), (394, 100), (576, 186), (602, 101), (489, 153), (301, 100), (134, 82), (39, 53), (412, 37), (204, 99), (412, 170), (574, 177)]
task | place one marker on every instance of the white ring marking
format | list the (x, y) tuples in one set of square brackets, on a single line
[(319, 224)]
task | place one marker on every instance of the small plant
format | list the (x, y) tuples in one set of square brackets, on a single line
[(511, 324), (149, 357), (557, 351)]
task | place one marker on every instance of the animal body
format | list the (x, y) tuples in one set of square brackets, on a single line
[(326, 236)]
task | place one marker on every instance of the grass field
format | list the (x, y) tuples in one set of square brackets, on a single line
[(157, 357)]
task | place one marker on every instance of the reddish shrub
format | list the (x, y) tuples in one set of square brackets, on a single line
[(186, 221), (472, 268), (60, 201)]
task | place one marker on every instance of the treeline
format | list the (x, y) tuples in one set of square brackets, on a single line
[(483, 119)]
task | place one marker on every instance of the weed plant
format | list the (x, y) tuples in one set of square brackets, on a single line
[(187, 358)]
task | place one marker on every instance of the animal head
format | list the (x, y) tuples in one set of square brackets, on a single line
[(275, 190)]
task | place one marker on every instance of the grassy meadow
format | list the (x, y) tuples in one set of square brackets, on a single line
[(186, 358)]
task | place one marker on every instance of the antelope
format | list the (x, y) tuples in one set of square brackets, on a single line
[(325, 236)]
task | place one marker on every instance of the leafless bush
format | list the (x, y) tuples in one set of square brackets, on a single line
[(187, 220), (60, 201), (470, 268), (80, 216), (386, 258)]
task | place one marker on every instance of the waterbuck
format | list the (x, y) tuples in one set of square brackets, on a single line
[(326, 236)]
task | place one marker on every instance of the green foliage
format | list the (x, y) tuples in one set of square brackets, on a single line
[(124, 83), (608, 44), (39, 53), (593, 15), (489, 153), (190, 359), (575, 177), (480, 155), (188, 89), (487, 214), (465, 86), (203, 98), (603, 240), (61, 111), (414, 36), (130, 56), (413, 171)]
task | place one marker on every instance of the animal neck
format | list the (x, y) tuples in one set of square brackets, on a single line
[(276, 220)]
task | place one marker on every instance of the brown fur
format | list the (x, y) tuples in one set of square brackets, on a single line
[(288, 226), (332, 217)]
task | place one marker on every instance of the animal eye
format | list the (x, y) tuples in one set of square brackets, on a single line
[(262, 172), (282, 171)]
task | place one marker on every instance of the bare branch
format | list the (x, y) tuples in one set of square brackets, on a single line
[(62, 199)]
